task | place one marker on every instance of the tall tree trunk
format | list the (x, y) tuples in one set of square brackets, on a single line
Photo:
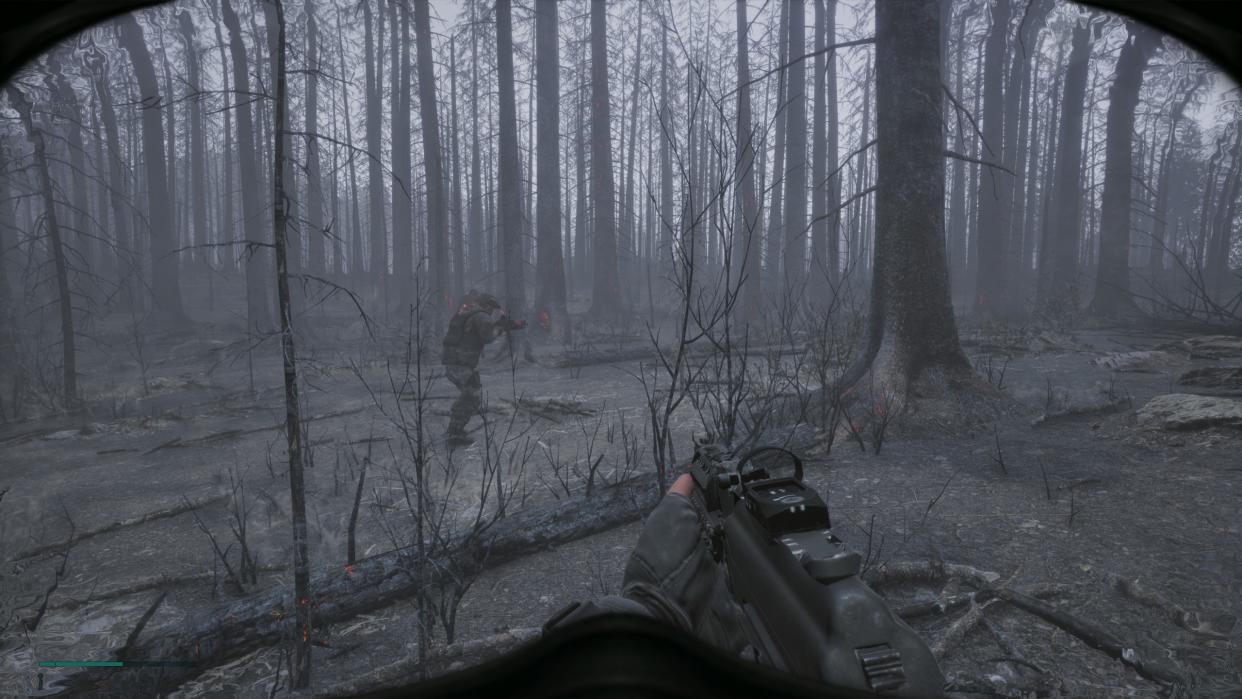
[(51, 223), (67, 107), (197, 173), (745, 255), (301, 665), (164, 284), (957, 198), (775, 229), (1155, 259), (819, 159), (123, 238), (510, 214), (550, 286), (911, 330), (1015, 150), (1058, 258), (795, 174), (437, 210), (1112, 283), (664, 242), (378, 235), (404, 249), (316, 240), (628, 235), (606, 296), (1220, 244), (475, 217), (990, 241), (459, 240)]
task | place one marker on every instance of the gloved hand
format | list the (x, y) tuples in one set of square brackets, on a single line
[(519, 324), (671, 572), (671, 576)]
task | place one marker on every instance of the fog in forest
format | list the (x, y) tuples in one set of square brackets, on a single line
[(978, 262)]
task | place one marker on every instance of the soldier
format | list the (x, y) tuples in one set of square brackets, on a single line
[(469, 330)]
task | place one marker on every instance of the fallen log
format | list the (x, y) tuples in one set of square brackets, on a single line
[(342, 592), (1094, 636), (181, 508), (928, 571), (1219, 626)]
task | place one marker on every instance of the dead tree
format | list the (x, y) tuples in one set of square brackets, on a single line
[(164, 269), (606, 297), (1112, 282), (293, 421), (69, 372), (550, 282)]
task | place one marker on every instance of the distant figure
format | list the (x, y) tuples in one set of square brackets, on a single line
[(469, 331)]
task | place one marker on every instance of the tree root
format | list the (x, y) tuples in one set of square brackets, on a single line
[(122, 524)]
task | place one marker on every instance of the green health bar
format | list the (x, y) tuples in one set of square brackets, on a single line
[(116, 663)]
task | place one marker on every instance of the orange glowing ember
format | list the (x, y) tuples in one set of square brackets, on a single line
[(545, 321), (349, 570)]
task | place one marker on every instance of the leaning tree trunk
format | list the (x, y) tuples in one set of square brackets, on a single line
[(437, 208), (1112, 282), (990, 238), (606, 288), (912, 334), (550, 285), (164, 284), (68, 338), (301, 666), (510, 222), (258, 316)]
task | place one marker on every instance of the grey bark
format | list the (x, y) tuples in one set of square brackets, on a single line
[(606, 298), (433, 162), (1058, 260), (510, 214), (1112, 282), (550, 286), (991, 238), (164, 284), (911, 329), (795, 172)]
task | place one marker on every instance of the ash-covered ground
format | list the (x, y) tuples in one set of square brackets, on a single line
[(1123, 517)]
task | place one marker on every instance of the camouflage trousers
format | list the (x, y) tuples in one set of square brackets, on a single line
[(469, 399)]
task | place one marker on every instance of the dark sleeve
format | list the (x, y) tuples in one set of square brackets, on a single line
[(482, 326)]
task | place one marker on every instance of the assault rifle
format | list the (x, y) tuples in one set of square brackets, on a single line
[(806, 609)]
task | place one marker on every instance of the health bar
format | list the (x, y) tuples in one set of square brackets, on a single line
[(116, 663)]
